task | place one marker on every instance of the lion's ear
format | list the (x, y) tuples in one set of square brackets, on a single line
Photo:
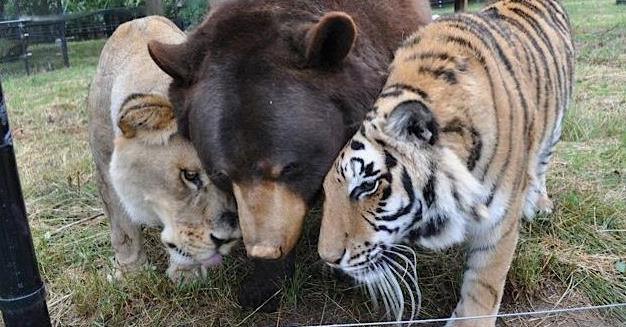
[(330, 40), (173, 59), (149, 117)]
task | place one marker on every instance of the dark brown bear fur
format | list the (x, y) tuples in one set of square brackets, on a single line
[(270, 90)]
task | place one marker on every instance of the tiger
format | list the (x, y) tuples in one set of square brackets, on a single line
[(455, 151)]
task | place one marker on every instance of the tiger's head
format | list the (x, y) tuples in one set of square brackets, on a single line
[(160, 181), (395, 182)]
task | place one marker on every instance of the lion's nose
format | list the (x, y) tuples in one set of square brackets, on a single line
[(170, 245), (230, 218), (218, 241)]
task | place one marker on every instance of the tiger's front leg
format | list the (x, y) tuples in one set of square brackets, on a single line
[(489, 257)]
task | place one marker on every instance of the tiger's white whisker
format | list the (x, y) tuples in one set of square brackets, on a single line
[(413, 276), (373, 296), (413, 279), (399, 295), (406, 284), (383, 293), (393, 290)]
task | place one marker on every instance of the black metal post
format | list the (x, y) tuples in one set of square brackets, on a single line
[(61, 29), (24, 42), (22, 293), (61, 32), (460, 5)]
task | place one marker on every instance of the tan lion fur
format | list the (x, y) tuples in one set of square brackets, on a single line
[(141, 160)]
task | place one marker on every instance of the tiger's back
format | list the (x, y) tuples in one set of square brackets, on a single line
[(520, 55), (455, 150)]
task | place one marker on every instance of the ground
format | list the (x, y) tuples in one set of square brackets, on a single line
[(576, 256)]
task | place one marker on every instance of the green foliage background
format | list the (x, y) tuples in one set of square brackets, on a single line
[(192, 11)]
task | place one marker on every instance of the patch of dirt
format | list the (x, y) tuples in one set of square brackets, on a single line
[(553, 296)]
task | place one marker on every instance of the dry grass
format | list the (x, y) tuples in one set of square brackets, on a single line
[(569, 258)]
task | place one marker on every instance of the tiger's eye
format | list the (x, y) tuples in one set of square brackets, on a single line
[(368, 186)]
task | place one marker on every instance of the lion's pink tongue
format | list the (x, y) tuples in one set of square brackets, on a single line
[(213, 261)]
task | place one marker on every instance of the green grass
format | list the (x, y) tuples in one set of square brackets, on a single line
[(571, 257)]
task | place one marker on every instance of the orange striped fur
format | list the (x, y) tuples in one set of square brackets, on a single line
[(455, 151)]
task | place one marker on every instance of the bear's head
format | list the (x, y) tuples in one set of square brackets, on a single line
[(268, 92)]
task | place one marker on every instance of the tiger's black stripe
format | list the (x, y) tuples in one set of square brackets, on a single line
[(405, 210), (489, 74), (495, 13), (430, 55), (444, 73), (560, 74), (409, 88), (491, 43)]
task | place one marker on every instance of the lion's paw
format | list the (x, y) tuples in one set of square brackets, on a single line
[(186, 274)]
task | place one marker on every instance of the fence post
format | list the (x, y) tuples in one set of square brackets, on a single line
[(460, 5), (22, 293), (61, 30), (23, 35)]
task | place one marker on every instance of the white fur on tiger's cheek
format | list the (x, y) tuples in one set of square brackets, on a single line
[(459, 203)]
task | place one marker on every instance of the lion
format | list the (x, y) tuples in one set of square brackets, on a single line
[(147, 173)]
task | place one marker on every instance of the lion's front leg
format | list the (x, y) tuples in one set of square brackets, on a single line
[(126, 237), (489, 258)]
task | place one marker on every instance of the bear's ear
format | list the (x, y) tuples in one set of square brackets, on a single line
[(148, 117), (330, 40), (412, 121), (173, 59)]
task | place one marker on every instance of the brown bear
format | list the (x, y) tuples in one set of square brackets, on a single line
[(269, 91)]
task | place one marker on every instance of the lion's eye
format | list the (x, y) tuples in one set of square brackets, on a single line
[(191, 177)]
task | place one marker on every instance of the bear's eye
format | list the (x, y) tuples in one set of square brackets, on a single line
[(290, 169), (191, 177)]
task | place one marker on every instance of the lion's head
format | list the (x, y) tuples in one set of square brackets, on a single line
[(160, 181)]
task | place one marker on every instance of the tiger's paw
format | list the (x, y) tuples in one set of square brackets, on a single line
[(544, 205)]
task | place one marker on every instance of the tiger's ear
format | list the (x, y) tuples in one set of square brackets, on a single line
[(173, 59), (147, 117), (412, 121), (330, 40)]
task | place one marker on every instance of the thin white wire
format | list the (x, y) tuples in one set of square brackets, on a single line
[(502, 315)]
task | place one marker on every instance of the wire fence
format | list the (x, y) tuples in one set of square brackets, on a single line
[(501, 315), (18, 37)]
